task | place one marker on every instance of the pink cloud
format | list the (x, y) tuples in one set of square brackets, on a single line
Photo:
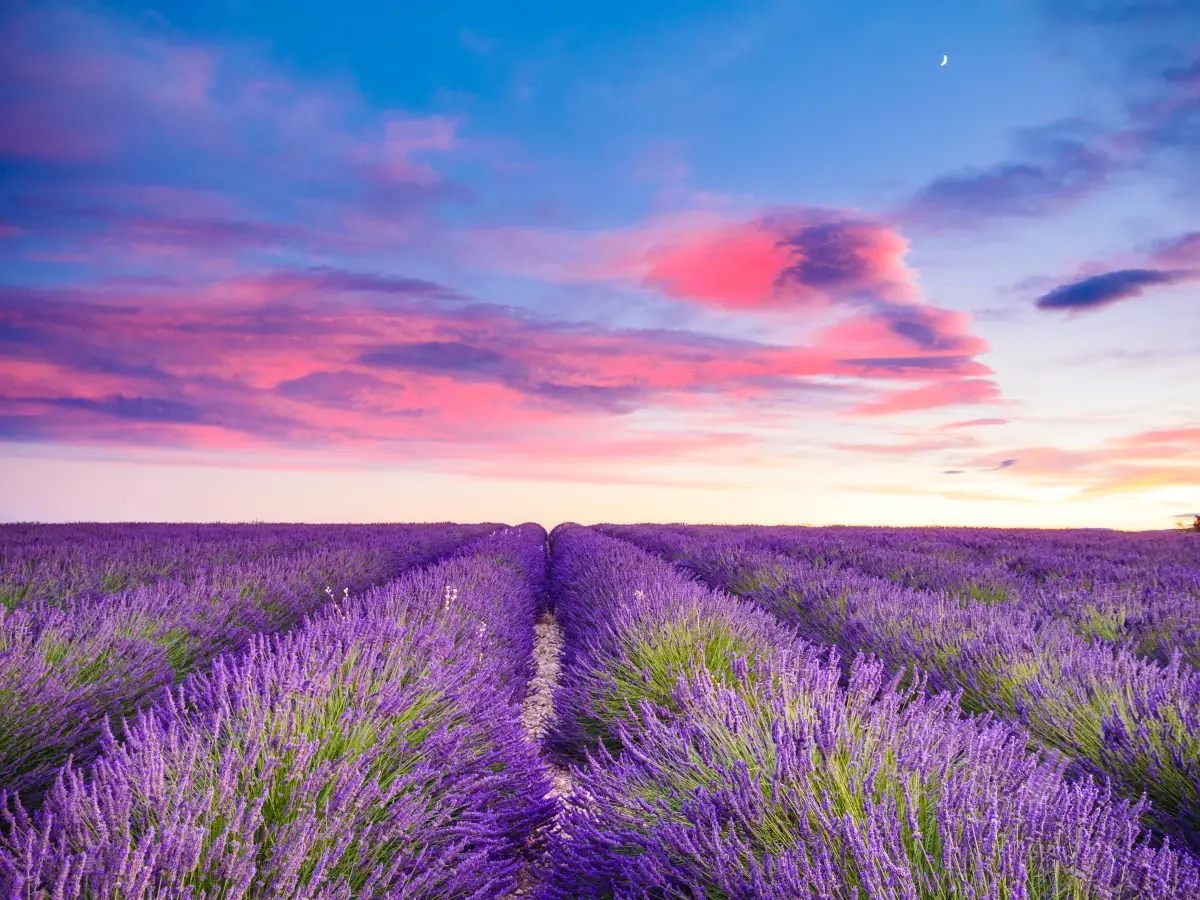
[(932, 396), (316, 358), (972, 423), (786, 258), (403, 136), (1183, 250), (910, 447), (1168, 457), (736, 267)]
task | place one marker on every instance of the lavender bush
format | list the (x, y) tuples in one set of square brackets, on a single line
[(63, 670), (57, 563), (759, 775), (1116, 715), (377, 752)]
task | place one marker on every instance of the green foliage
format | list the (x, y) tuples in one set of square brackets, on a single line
[(654, 659)]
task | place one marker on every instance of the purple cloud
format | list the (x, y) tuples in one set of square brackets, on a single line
[(98, 116), (330, 279), (336, 389), (832, 255), (1059, 164), (899, 363), (1183, 249), (447, 358), (138, 409), (1111, 287)]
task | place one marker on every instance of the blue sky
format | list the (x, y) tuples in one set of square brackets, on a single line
[(725, 262)]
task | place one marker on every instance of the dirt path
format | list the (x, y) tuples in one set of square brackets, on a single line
[(539, 705)]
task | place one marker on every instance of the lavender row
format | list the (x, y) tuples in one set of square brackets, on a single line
[(723, 759), (376, 752), (1138, 590), (54, 563), (1115, 714), (63, 670)]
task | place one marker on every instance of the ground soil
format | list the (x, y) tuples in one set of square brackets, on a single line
[(538, 710)]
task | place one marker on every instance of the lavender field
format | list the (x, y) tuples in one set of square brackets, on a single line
[(650, 711)]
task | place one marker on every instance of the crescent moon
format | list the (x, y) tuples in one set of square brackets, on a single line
[(944, 58)]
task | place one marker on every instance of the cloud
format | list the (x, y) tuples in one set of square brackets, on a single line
[(898, 364), (1182, 250), (785, 258), (1108, 288), (778, 259), (312, 358), (244, 249), (1160, 443), (454, 359), (932, 396), (1167, 457), (972, 423), (340, 388), (139, 409), (795, 262), (1057, 165), (119, 142), (909, 448)]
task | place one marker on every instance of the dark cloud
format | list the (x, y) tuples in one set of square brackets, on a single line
[(1111, 287), (920, 326), (139, 409), (101, 365), (22, 428), (327, 278), (268, 320), (447, 358), (831, 255), (899, 363), (917, 332), (610, 398), (330, 388), (954, 472), (1005, 464)]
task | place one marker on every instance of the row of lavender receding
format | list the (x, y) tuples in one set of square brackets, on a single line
[(53, 563), (1113, 714), (65, 669), (723, 757), (1137, 590), (375, 752)]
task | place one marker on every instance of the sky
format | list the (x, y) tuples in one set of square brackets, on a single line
[(624, 261)]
